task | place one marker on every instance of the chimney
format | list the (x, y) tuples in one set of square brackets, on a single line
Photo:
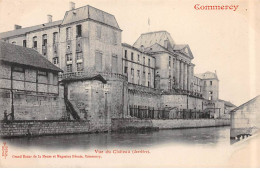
[(72, 5), (49, 17), (16, 27)]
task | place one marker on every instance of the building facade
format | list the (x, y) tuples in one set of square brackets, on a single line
[(138, 66)]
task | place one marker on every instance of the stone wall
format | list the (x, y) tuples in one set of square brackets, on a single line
[(245, 119), (118, 124), (33, 106), (38, 128), (194, 123), (180, 101)]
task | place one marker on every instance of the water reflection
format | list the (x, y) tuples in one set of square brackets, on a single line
[(198, 136)]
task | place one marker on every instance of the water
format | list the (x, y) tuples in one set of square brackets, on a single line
[(206, 137)]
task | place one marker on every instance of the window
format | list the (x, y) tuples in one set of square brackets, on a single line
[(69, 68), (44, 73), (98, 61), (125, 54), (138, 76), (149, 76), (35, 42), (138, 73), (68, 33), (132, 74), (148, 83), (79, 67), (144, 60), (114, 64), (44, 40), (79, 55), (55, 38), (69, 57), (24, 43), (210, 97), (125, 70), (14, 43), (98, 32), (44, 44), (169, 62), (132, 56), (138, 58), (132, 71), (79, 31), (210, 92), (149, 62), (55, 60), (210, 82)]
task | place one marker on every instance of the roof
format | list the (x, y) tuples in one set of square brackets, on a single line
[(83, 78), (89, 12), (207, 75), (78, 14), (25, 30), (257, 98), (148, 39), (227, 103), (25, 56)]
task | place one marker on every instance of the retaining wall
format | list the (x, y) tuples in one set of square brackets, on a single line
[(38, 128), (123, 123)]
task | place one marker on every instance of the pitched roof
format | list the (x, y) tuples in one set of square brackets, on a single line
[(148, 39), (207, 75), (89, 12), (256, 99), (25, 30), (25, 56)]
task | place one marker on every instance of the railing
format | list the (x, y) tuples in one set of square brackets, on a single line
[(169, 114), (142, 88), (183, 92)]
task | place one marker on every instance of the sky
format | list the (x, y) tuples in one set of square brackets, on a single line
[(221, 41)]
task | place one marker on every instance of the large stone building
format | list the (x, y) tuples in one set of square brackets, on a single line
[(152, 74)]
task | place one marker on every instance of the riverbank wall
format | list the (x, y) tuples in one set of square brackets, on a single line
[(50, 127), (55, 127), (125, 123)]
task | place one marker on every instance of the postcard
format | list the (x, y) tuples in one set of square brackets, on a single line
[(129, 83)]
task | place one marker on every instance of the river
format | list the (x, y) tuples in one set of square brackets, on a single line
[(207, 137)]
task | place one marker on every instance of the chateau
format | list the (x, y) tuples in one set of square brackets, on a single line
[(104, 78)]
